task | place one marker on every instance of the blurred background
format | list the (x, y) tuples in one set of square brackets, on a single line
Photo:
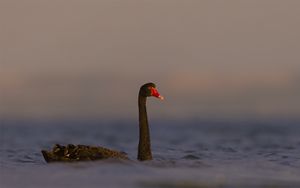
[(210, 59)]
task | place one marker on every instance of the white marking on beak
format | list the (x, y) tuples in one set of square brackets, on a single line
[(161, 97)]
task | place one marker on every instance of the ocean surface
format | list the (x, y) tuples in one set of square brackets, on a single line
[(187, 154)]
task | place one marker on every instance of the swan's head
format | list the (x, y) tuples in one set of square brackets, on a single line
[(149, 89)]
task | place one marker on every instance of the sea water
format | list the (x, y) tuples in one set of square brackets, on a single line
[(186, 154)]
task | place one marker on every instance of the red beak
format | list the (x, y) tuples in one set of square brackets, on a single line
[(155, 93)]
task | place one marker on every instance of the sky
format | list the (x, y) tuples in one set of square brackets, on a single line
[(208, 58)]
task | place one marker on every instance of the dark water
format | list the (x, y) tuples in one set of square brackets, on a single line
[(187, 154)]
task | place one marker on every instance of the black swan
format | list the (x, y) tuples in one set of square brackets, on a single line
[(72, 153)]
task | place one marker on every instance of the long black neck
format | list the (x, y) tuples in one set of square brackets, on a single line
[(144, 150)]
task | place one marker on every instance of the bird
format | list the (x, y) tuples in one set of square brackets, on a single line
[(73, 153)]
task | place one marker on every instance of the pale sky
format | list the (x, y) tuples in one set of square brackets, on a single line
[(209, 58)]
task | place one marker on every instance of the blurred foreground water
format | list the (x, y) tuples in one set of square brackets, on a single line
[(187, 154)]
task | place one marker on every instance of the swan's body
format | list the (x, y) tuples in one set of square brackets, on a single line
[(72, 153)]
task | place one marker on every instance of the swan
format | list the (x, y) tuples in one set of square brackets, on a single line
[(72, 153)]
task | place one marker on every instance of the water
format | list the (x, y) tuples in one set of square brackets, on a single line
[(187, 154)]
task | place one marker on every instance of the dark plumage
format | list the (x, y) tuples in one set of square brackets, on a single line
[(72, 153)]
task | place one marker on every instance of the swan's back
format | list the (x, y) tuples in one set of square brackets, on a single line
[(72, 153)]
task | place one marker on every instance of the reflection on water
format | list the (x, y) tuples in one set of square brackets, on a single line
[(186, 154)]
